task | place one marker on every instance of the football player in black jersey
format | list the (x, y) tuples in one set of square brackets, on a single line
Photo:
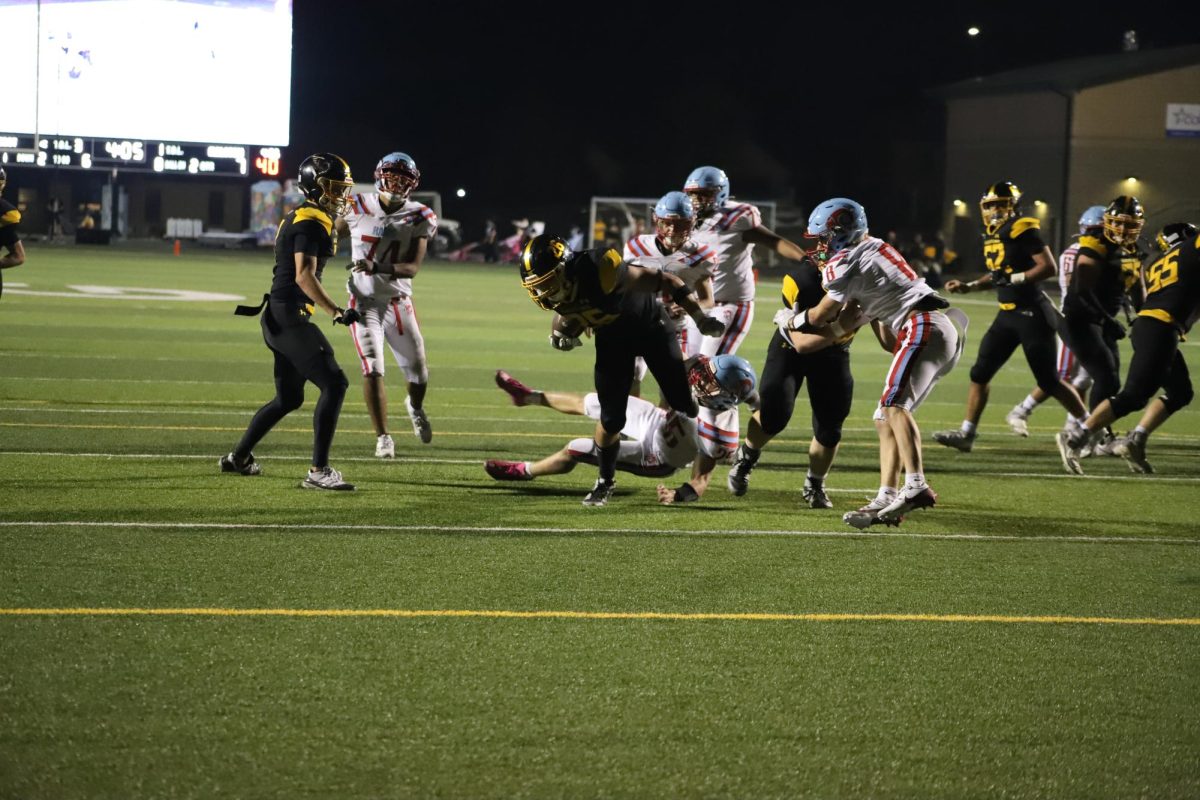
[(822, 359), (1171, 306), (10, 236), (1017, 259), (596, 289), (304, 241)]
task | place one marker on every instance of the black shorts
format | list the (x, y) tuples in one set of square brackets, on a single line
[(830, 388), (1024, 327), (300, 345), (617, 347), (1156, 363), (1097, 351)]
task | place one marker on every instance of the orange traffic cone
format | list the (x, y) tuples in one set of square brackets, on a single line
[(177, 247)]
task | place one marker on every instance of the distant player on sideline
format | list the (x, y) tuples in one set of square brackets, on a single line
[(304, 242), (389, 238), (655, 441), (10, 236), (1091, 223), (859, 267)]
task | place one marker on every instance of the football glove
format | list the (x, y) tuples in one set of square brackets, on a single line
[(1112, 329), (783, 319), (563, 342), (1000, 278), (710, 326), (347, 316)]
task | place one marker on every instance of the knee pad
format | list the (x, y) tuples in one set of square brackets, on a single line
[(1178, 400), (417, 374), (827, 436), (979, 374), (612, 423)]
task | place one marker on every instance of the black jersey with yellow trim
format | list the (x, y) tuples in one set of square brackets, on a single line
[(1173, 286), (802, 289), (1119, 270), (309, 230), (1011, 249), (10, 224), (597, 298)]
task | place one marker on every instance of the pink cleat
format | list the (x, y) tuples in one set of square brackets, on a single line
[(507, 470), (518, 391)]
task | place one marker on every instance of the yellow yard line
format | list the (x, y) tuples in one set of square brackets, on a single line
[(591, 615)]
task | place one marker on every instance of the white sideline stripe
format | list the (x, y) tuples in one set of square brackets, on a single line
[(422, 460), (283, 526)]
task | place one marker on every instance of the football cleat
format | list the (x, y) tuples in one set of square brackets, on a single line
[(1069, 452), (1018, 421), (507, 470), (1132, 448), (868, 515), (908, 499), (385, 447), (739, 474), (957, 439), (326, 478), (598, 496), (248, 466), (518, 391), (815, 496), (420, 422), (1106, 446)]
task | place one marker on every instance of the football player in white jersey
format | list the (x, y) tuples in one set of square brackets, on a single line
[(930, 338), (1091, 223), (670, 248), (389, 237), (655, 441)]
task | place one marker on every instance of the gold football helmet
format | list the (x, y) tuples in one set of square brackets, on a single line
[(326, 182), (543, 270)]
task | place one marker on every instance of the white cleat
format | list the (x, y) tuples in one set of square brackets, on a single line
[(1018, 422), (385, 447), (420, 422), (1070, 455), (327, 478)]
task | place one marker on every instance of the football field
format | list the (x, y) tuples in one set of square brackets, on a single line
[(170, 631)]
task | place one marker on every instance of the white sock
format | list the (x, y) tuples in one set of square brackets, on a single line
[(968, 428), (886, 493), (1028, 404), (914, 480), (1141, 431)]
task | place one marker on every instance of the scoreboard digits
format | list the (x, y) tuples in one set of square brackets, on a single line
[(139, 155)]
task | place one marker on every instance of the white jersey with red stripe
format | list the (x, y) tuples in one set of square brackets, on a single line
[(385, 237), (692, 263), (877, 276), (718, 432), (656, 437), (1066, 268), (722, 231)]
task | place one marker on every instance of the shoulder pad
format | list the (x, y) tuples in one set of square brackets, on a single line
[(10, 217), (1094, 243), (305, 213), (608, 267), (1024, 224), (791, 290)]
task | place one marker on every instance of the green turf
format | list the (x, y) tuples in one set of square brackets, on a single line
[(115, 411)]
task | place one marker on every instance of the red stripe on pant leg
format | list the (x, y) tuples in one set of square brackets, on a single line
[(736, 326), (366, 368), (396, 312), (904, 364)]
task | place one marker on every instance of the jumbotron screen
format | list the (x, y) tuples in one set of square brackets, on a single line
[(145, 78)]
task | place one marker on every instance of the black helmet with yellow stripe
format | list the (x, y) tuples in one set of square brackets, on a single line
[(325, 181), (543, 270), (1124, 219), (999, 204)]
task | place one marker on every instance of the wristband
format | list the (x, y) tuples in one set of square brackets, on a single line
[(680, 293), (686, 494), (1018, 278)]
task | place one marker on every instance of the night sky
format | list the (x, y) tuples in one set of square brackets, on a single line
[(534, 108)]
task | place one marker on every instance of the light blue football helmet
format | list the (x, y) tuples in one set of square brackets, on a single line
[(706, 180), (674, 219), (836, 224), (721, 382), (396, 174), (1092, 218)]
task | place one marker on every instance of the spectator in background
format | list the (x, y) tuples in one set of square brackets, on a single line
[(10, 237), (55, 211), (575, 240), (488, 246)]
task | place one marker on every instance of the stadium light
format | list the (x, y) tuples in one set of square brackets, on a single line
[(972, 31), (1131, 179), (461, 193)]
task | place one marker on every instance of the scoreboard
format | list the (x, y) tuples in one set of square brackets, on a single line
[(136, 155)]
